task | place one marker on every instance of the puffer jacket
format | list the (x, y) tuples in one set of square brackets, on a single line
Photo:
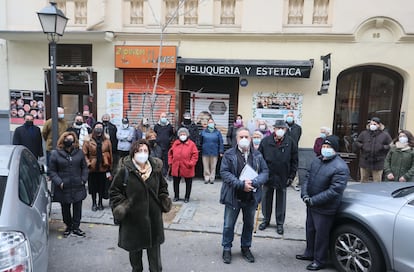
[(400, 162), (325, 183), (135, 206), (70, 169), (373, 146), (231, 182)]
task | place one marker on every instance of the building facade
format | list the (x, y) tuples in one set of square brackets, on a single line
[(334, 63)]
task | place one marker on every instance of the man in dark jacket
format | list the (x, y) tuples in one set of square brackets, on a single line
[(374, 144), (322, 193), (281, 155), (294, 131), (165, 135), (241, 192), (29, 135)]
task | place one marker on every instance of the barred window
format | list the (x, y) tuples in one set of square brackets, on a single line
[(228, 14), (320, 12), (171, 16), (81, 12), (191, 12), (295, 15), (137, 12)]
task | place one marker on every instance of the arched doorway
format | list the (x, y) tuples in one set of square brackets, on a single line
[(362, 93)]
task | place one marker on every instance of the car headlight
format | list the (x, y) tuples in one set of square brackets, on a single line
[(14, 252)]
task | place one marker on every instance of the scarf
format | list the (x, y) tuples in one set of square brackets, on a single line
[(237, 125), (401, 146), (145, 171), (98, 152)]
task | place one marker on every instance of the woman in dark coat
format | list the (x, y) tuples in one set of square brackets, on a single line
[(182, 159), (69, 174), (136, 194)]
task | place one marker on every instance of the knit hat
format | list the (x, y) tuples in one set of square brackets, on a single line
[(376, 120), (280, 124), (187, 115), (332, 140), (125, 120)]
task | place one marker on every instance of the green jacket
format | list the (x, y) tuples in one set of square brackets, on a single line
[(400, 162)]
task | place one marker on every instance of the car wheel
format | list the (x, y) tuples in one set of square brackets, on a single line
[(353, 249)]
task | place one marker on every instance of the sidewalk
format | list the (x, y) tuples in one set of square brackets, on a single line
[(204, 213)]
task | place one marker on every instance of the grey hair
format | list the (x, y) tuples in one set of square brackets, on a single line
[(327, 129), (106, 115), (242, 129), (183, 129), (257, 132)]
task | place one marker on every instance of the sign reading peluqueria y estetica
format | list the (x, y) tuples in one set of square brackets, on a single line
[(248, 68)]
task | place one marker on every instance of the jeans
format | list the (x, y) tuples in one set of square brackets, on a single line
[(230, 218)]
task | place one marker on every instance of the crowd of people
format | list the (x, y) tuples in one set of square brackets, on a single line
[(130, 166)]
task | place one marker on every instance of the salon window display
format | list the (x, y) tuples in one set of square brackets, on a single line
[(24, 102)]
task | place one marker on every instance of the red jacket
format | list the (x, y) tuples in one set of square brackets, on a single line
[(182, 158)]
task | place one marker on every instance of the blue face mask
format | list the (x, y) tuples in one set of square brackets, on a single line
[(163, 120), (323, 135), (210, 126), (327, 152), (289, 119), (256, 141)]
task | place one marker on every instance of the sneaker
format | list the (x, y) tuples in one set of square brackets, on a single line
[(78, 232), (67, 232), (247, 254), (226, 256)]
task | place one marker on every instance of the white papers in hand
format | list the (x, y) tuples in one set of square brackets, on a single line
[(247, 173)]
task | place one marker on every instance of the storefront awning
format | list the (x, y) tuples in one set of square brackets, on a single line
[(245, 68)]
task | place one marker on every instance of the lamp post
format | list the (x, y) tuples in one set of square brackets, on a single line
[(53, 23)]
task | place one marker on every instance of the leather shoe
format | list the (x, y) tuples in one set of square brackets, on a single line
[(175, 199), (304, 258), (94, 208), (226, 256), (314, 266), (247, 254), (279, 229), (263, 225)]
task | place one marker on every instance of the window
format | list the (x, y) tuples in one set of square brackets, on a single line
[(137, 12), (295, 14), (228, 14), (171, 7), (190, 12), (320, 12), (81, 12), (61, 4), (74, 55), (29, 178)]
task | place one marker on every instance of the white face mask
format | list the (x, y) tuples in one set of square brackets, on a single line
[(403, 140), (373, 127), (244, 143), (141, 157), (183, 138), (280, 132), (125, 126), (262, 127)]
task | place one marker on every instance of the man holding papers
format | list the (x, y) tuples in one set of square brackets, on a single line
[(243, 171)]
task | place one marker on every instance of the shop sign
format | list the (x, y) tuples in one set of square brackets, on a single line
[(145, 57), (248, 68)]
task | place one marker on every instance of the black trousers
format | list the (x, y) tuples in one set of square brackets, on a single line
[(280, 204), (72, 220), (188, 186), (154, 259), (318, 227)]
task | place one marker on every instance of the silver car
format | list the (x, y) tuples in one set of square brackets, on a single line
[(24, 211), (374, 229)]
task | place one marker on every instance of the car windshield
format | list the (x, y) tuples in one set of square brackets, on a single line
[(403, 191), (3, 181)]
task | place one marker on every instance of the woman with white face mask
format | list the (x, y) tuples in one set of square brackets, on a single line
[(182, 159), (137, 195), (399, 163)]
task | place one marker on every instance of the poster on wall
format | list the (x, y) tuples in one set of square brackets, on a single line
[(114, 102), (211, 105), (272, 106), (27, 101)]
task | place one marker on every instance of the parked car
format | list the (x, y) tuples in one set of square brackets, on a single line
[(374, 228), (24, 211)]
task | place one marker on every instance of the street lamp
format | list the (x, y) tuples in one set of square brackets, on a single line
[(53, 23)]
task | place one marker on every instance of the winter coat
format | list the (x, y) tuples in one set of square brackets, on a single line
[(30, 137), (71, 170), (231, 135), (81, 131), (111, 130), (325, 183), (211, 142), (182, 158), (89, 149), (282, 160), (125, 137), (231, 183), (317, 147), (136, 208), (47, 131), (294, 131), (165, 135), (373, 146), (400, 162)]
